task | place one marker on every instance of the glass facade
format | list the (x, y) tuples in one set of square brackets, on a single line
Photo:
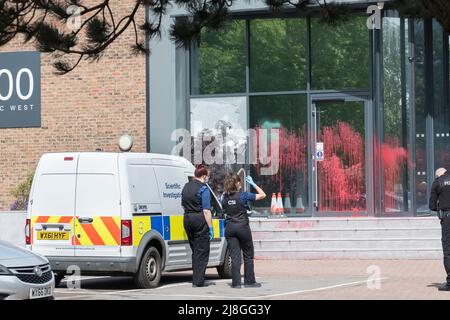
[(278, 55), (361, 116), (341, 176), (218, 64), (396, 121), (288, 113), (340, 55)]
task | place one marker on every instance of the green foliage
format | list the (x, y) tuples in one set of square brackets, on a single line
[(50, 39), (221, 60), (22, 193), (45, 22), (340, 55), (98, 31), (278, 54), (392, 78)]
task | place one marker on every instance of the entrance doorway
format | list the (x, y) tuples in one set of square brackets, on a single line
[(341, 153)]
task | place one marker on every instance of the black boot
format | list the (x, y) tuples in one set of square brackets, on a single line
[(444, 287)]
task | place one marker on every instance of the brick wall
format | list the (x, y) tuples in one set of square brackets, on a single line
[(88, 108)]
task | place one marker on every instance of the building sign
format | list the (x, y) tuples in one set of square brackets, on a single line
[(319, 151), (20, 90)]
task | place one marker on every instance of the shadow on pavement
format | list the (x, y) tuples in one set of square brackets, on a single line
[(127, 283)]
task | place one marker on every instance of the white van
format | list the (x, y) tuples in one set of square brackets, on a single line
[(116, 214)]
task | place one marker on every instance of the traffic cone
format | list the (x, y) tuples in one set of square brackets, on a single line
[(273, 205), (299, 208), (287, 203), (280, 209)]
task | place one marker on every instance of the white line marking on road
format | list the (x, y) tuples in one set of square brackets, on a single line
[(71, 291), (71, 298), (196, 296), (87, 278), (148, 292), (316, 289)]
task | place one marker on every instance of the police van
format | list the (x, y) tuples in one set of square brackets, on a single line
[(116, 214)]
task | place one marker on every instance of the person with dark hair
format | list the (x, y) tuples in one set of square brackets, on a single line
[(237, 229), (196, 201)]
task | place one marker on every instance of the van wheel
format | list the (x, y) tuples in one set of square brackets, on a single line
[(224, 270), (149, 272)]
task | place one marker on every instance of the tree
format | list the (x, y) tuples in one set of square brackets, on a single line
[(45, 22), (438, 9)]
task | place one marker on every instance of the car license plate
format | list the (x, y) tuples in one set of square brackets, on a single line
[(52, 235), (36, 293)]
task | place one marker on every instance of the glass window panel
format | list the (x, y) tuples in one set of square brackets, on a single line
[(420, 114), (341, 176), (394, 148), (278, 54), (441, 108), (288, 113), (222, 121), (340, 54), (218, 62)]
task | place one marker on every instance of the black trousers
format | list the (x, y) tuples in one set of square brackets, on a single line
[(198, 234), (445, 223), (239, 237)]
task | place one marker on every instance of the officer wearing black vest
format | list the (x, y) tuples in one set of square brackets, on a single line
[(440, 202), (237, 229), (196, 201)]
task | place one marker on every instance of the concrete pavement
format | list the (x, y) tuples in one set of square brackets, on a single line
[(290, 279)]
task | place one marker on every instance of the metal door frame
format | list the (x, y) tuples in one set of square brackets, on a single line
[(353, 96)]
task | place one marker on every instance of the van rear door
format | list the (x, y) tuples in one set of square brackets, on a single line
[(171, 180), (97, 206), (52, 205)]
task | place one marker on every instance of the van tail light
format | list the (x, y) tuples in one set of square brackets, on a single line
[(127, 239), (28, 232)]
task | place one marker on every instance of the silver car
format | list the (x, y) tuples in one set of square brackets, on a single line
[(24, 274)]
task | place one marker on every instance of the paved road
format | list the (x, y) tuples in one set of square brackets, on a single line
[(356, 279), (179, 287)]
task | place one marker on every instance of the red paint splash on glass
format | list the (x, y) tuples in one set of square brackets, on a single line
[(341, 176), (292, 166), (394, 160), (341, 185)]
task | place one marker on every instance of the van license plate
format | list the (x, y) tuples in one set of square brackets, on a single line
[(36, 293), (52, 235)]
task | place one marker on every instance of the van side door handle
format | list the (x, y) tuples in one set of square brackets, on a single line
[(85, 220)]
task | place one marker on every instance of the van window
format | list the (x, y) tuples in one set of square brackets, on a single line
[(143, 184), (54, 194), (97, 194), (171, 181)]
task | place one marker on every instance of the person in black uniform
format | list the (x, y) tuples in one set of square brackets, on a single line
[(237, 229), (440, 202), (196, 201)]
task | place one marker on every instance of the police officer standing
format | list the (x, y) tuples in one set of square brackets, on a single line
[(440, 202), (237, 229), (196, 201)]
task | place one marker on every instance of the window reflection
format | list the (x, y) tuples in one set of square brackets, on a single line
[(218, 60), (278, 55), (393, 150), (288, 114), (340, 54), (341, 175)]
